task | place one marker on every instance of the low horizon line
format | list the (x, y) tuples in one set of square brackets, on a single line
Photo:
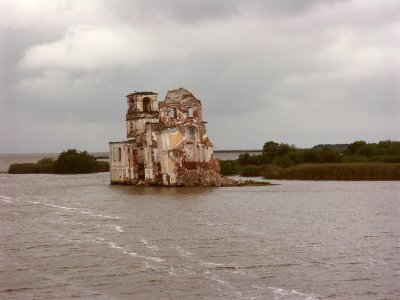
[(223, 150)]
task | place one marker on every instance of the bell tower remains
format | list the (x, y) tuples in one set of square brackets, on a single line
[(142, 109)]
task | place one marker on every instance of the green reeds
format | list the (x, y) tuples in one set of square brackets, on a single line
[(337, 171)]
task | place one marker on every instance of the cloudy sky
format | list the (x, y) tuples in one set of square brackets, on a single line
[(294, 71)]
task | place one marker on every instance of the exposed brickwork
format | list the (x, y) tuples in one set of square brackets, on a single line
[(167, 142)]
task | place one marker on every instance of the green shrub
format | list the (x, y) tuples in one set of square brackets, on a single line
[(395, 158), (25, 168), (102, 166), (45, 165), (253, 182), (247, 159), (68, 162), (251, 170), (272, 172), (283, 161), (229, 167), (75, 162), (354, 158)]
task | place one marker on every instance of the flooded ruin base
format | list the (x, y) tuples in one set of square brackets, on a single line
[(167, 144)]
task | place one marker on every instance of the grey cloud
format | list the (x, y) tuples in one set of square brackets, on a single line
[(206, 10), (184, 11), (302, 72), (288, 7)]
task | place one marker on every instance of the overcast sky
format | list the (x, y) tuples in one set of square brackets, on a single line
[(294, 71)]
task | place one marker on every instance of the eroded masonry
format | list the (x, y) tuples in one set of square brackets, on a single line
[(167, 142)]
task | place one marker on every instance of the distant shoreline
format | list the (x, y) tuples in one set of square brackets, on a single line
[(106, 152), (7, 159), (44, 153), (234, 151)]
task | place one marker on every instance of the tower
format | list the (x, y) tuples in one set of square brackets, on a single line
[(142, 113), (142, 109)]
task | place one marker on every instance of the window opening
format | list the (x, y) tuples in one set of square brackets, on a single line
[(171, 113), (146, 104), (190, 112)]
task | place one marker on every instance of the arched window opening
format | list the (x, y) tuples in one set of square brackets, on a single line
[(146, 104), (119, 154), (190, 112), (172, 113)]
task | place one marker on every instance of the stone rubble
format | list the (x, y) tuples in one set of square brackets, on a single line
[(205, 177)]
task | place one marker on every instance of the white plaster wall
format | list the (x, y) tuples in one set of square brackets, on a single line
[(119, 169), (139, 126), (130, 127), (148, 155), (154, 103), (165, 145), (189, 152), (208, 154), (201, 153)]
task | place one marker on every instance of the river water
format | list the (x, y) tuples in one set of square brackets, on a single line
[(76, 236)]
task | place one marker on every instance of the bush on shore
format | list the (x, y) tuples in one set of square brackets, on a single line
[(75, 162), (25, 168), (102, 166), (251, 171), (71, 161), (45, 165), (229, 167)]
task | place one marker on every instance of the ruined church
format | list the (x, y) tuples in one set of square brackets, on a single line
[(164, 140)]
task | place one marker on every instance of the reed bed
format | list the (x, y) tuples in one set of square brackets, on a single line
[(336, 171)]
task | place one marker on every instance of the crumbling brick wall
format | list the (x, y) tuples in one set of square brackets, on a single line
[(164, 139)]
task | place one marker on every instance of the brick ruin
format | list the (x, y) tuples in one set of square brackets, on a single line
[(167, 143)]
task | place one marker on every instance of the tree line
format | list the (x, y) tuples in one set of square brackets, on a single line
[(71, 161), (277, 159)]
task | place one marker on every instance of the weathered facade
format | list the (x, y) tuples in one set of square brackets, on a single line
[(164, 140)]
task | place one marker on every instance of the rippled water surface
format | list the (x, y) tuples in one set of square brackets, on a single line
[(66, 236)]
